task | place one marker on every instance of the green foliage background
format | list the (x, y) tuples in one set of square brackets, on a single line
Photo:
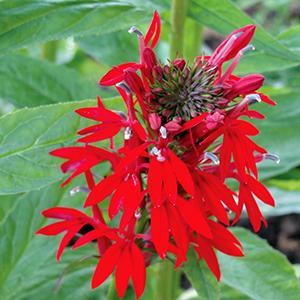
[(52, 54)]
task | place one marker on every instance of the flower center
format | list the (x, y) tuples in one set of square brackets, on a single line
[(184, 91)]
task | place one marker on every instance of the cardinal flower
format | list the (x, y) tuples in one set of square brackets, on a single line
[(184, 132)]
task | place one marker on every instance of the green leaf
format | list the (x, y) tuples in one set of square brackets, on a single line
[(31, 82), (111, 49), (26, 138), (263, 273), (223, 16), (287, 202), (201, 278), (28, 266), (290, 38), (279, 132), (23, 22)]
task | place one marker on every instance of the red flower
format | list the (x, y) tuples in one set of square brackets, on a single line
[(166, 189), (223, 240), (82, 159), (250, 187)]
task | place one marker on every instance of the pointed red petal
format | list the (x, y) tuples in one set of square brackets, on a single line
[(123, 271), (106, 265), (153, 33), (103, 189), (155, 180), (56, 228), (160, 230), (260, 191), (138, 270), (116, 74), (182, 173), (67, 239), (193, 216)]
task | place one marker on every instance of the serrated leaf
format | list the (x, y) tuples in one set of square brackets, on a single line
[(23, 22), (201, 278), (26, 138), (25, 81), (263, 273), (28, 266)]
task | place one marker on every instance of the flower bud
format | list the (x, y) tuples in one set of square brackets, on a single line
[(149, 58), (172, 126), (179, 63), (154, 121)]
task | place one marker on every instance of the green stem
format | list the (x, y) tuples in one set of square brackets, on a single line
[(49, 50), (178, 14), (168, 281), (112, 292), (194, 41)]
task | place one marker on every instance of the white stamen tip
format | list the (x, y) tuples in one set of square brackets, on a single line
[(127, 133), (212, 157), (124, 86), (138, 214), (133, 29), (247, 49), (78, 189), (253, 98), (272, 157), (163, 132), (160, 158)]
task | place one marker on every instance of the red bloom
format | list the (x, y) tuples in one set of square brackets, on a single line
[(182, 138)]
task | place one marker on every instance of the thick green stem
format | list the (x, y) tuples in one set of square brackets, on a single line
[(193, 41), (112, 292), (178, 14), (168, 281)]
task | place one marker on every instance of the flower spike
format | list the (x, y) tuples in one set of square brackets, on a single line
[(165, 163)]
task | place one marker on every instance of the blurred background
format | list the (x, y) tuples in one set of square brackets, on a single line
[(54, 56)]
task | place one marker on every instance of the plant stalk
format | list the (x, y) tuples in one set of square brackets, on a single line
[(193, 41), (112, 292), (178, 14), (168, 281)]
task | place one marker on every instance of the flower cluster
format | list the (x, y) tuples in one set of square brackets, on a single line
[(184, 135)]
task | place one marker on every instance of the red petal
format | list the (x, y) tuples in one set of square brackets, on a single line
[(138, 270), (56, 228), (193, 216), (178, 231), (153, 32), (266, 99), (116, 74), (106, 265), (224, 240), (87, 238), (170, 182), (253, 211), (225, 156), (66, 240), (64, 213), (160, 230), (123, 271), (260, 191), (139, 130), (103, 189), (193, 122), (182, 173), (155, 180), (206, 252)]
